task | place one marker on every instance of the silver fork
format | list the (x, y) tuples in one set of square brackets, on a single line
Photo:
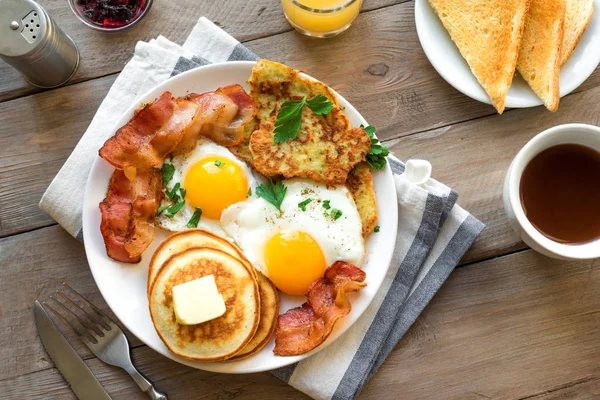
[(102, 336)]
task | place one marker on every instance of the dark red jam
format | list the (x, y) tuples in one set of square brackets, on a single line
[(111, 13)]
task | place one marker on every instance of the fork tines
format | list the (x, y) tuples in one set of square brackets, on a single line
[(94, 323)]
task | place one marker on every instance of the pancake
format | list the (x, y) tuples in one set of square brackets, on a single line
[(269, 310), (187, 239), (221, 337), (360, 184)]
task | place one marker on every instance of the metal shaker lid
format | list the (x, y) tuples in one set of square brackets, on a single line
[(23, 26)]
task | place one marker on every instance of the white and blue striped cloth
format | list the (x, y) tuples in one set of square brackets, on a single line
[(433, 232)]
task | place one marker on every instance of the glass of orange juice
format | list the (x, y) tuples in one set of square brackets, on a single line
[(321, 18)]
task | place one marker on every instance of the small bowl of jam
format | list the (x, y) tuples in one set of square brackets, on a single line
[(110, 15)]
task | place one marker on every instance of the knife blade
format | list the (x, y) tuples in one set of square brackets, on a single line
[(77, 374)]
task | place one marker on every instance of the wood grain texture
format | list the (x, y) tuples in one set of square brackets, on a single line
[(244, 20), (34, 145), (473, 158), (519, 326), (378, 65), (178, 381), (512, 327), (34, 265)]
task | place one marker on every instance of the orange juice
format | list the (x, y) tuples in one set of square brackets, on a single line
[(321, 18)]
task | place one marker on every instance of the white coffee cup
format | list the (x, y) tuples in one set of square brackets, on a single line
[(582, 134)]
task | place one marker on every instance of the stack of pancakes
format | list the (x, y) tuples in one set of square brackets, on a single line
[(251, 300)]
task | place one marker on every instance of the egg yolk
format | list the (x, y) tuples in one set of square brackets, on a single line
[(293, 261), (213, 184)]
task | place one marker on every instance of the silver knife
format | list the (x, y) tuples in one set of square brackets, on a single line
[(77, 374)]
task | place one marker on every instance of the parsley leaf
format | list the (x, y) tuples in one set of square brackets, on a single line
[(376, 229), (335, 213), (303, 204), (193, 222), (272, 192), (378, 152), (319, 105), (289, 116), (172, 194), (162, 208), (326, 204), (369, 129), (174, 209), (167, 171), (249, 192), (219, 163)]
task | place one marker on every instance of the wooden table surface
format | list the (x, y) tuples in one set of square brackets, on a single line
[(509, 323)]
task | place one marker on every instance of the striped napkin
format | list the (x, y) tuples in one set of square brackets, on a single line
[(433, 234)]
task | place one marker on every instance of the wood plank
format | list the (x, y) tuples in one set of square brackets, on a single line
[(378, 65), (35, 146), (507, 328), (34, 265), (178, 381), (519, 326), (473, 158), (580, 389), (243, 19)]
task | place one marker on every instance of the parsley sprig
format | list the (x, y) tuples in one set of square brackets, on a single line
[(193, 222), (172, 194), (167, 170), (303, 204), (376, 157), (174, 209), (272, 192), (178, 201), (335, 213), (289, 116)]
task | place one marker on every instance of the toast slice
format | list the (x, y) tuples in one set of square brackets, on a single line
[(577, 18), (540, 53), (487, 34)]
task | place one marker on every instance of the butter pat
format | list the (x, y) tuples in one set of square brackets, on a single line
[(197, 301)]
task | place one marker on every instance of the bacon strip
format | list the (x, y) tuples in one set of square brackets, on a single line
[(128, 212), (173, 125), (152, 133), (221, 117), (302, 329), (157, 129)]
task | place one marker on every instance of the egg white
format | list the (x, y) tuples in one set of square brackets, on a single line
[(253, 222), (182, 163)]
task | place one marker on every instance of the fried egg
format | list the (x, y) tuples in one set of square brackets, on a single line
[(212, 179), (315, 227)]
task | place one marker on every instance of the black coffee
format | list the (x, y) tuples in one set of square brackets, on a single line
[(560, 193)]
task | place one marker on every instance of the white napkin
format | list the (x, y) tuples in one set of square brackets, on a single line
[(433, 232)]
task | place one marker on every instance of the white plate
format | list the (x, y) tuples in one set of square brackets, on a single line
[(124, 285), (447, 61)]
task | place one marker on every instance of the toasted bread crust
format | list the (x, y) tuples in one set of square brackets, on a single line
[(577, 18), (488, 35), (540, 55)]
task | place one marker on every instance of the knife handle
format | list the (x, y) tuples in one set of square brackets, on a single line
[(144, 384)]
